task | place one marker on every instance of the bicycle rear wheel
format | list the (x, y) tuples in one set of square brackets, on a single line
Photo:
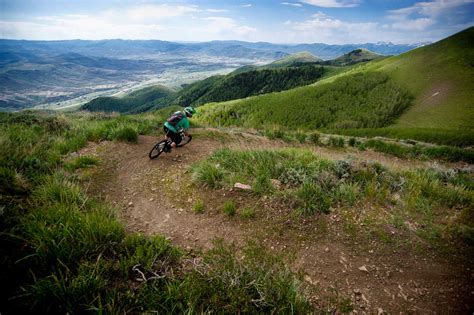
[(157, 149), (186, 140)]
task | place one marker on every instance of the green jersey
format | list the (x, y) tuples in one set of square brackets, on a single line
[(182, 124)]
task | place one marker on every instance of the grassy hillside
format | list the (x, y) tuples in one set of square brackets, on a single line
[(436, 80), (356, 101), (441, 77), (129, 102), (355, 56), (65, 252), (294, 59)]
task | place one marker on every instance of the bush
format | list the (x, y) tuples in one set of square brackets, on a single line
[(229, 208), (247, 213), (310, 198), (127, 134), (208, 174), (83, 161), (198, 206), (314, 137), (336, 142)]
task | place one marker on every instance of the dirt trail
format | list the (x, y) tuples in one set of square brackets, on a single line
[(153, 199)]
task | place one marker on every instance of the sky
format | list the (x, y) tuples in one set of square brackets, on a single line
[(286, 21)]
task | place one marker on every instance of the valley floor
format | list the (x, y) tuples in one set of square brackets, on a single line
[(340, 267)]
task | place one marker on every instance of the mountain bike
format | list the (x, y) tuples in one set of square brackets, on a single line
[(165, 145)]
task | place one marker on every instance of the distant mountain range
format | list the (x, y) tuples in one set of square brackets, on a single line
[(50, 72), (122, 49)]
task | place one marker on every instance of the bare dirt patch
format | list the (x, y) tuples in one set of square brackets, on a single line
[(157, 197)]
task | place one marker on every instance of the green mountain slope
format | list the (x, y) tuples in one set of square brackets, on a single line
[(294, 60), (257, 82), (437, 81), (355, 56), (441, 77), (130, 102)]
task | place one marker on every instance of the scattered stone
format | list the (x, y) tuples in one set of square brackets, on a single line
[(379, 311), (190, 199), (364, 269), (153, 189), (308, 279), (326, 249), (151, 199), (242, 186), (130, 204), (276, 183)]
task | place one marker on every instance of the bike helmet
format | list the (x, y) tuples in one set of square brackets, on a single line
[(189, 111)]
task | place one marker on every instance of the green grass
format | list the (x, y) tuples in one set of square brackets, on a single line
[(451, 154), (83, 161), (360, 100), (129, 103), (198, 206), (312, 185), (440, 136), (65, 252), (247, 213), (229, 208), (443, 67)]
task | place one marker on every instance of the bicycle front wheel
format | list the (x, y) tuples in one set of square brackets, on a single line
[(157, 149)]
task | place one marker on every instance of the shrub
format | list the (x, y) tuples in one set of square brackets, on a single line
[(126, 134), (83, 161), (337, 142), (314, 137), (198, 206), (247, 213), (208, 174), (310, 198), (300, 137), (229, 208), (262, 184)]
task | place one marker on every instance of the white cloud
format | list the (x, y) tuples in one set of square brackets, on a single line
[(333, 3), (413, 25), (325, 29), (431, 9), (292, 4), (217, 10), (246, 5), (225, 28), (149, 13), (421, 15), (165, 22)]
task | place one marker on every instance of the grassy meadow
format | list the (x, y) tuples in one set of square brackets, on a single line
[(438, 201), (65, 252)]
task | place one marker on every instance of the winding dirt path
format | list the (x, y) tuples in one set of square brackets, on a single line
[(157, 197)]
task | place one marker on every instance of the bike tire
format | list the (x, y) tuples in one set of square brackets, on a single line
[(157, 149), (185, 141)]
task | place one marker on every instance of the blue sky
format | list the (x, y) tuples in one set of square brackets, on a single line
[(286, 21)]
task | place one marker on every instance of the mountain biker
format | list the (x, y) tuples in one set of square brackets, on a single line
[(175, 123)]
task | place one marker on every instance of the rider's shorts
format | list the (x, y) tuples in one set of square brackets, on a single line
[(175, 137)]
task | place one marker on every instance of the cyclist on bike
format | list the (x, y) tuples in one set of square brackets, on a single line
[(175, 123)]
